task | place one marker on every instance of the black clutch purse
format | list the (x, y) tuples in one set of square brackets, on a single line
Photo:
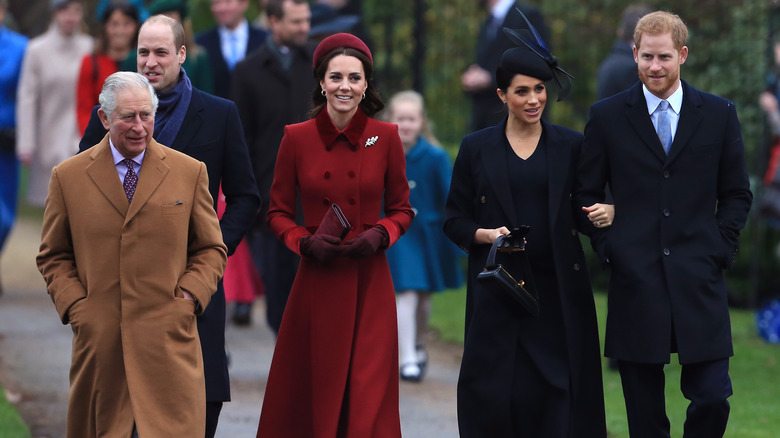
[(516, 288)]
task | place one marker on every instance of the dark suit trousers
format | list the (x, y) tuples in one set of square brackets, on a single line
[(277, 266), (706, 385), (212, 417)]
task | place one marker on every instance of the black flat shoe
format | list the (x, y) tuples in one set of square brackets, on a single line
[(242, 315), (411, 372)]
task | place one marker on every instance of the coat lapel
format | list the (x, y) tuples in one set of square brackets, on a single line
[(153, 172), (102, 171), (636, 111), (558, 163), (690, 117), (494, 160)]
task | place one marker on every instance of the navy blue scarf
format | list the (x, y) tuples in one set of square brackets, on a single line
[(171, 110)]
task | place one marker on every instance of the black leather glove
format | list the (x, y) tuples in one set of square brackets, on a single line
[(366, 243), (321, 247)]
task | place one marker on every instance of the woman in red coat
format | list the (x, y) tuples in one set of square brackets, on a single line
[(117, 37), (335, 367)]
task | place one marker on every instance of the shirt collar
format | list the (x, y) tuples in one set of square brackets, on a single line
[(500, 9), (329, 133), (241, 31), (118, 157), (675, 100)]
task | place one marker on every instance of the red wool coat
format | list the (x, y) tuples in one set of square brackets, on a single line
[(94, 71), (335, 367)]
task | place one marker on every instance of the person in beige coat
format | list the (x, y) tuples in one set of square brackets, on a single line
[(129, 266), (46, 128)]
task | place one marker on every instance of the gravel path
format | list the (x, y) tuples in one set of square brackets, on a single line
[(35, 357)]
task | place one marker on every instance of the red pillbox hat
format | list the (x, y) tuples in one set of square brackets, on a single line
[(340, 40)]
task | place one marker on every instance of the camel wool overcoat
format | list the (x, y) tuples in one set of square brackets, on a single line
[(115, 271)]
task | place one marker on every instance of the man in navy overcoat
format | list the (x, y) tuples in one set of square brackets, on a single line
[(677, 220)]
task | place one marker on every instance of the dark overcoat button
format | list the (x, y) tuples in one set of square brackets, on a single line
[(483, 199)]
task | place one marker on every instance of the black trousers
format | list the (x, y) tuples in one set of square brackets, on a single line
[(212, 418), (705, 384), (277, 266)]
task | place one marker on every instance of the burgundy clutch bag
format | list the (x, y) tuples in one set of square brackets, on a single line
[(334, 223)]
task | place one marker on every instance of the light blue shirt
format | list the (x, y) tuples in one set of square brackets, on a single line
[(675, 105), (119, 161), (231, 51)]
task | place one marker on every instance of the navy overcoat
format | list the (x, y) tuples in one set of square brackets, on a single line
[(677, 220)]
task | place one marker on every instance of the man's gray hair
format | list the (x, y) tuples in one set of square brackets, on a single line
[(119, 81)]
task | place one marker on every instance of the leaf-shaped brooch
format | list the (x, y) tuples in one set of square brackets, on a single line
[(371, 141)]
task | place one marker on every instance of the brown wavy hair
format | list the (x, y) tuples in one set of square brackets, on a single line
[(371, 105)]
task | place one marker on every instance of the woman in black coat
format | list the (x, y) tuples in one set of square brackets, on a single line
[(523, 375)]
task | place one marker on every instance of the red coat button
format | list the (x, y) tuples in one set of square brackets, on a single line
[(326, 175), (352, 201), (351, 173)]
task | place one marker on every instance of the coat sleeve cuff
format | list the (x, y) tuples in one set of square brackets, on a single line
[(198, 290), (393, 232), (66, 298), (292, 238)]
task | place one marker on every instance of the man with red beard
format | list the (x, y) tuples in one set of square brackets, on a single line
[(673, 159)]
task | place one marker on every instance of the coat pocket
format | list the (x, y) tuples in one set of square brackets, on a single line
[(173, 208)]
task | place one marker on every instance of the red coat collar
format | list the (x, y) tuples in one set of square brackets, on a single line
[(329, 133)]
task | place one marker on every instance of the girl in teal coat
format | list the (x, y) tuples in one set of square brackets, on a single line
[(424, 261)]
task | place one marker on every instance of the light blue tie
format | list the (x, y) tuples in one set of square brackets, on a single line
[(233, 56), (664, 126)]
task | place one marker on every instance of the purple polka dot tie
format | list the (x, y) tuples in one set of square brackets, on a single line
[(131, 180)]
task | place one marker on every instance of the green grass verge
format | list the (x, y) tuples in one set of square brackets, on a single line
[(11, 424), (755, 405)]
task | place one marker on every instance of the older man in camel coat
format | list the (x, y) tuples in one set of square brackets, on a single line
[(131, 251)]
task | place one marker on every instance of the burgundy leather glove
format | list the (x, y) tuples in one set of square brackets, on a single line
[(367, 242), (321, 247)]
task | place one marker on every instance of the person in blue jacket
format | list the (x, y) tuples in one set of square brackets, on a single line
[(12, 46), (424, 261)]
